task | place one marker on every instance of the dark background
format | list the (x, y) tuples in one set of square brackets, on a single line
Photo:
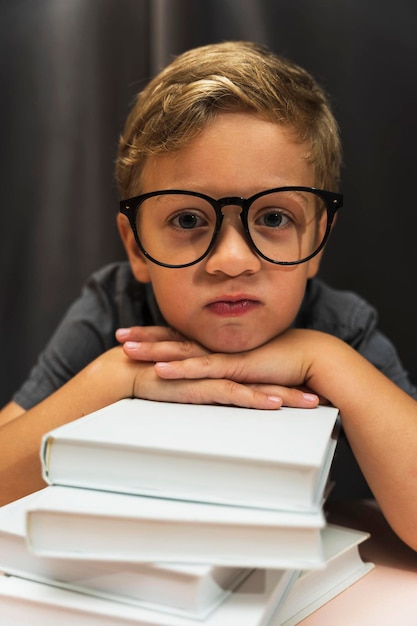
[(69, 70)]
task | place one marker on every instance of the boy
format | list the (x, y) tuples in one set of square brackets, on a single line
[(228, 171)]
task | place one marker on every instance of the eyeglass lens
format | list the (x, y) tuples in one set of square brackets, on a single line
[(284, 226)]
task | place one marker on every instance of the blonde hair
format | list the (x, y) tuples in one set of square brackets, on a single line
[(232, 76)]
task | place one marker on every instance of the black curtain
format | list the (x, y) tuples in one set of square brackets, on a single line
[(69, 70)]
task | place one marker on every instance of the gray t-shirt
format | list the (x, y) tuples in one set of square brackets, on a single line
[(112, 299)]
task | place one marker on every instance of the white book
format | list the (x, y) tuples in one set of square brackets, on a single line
[(222, 454), (344, 566), (25, 602), (67, 522), (189, 589)]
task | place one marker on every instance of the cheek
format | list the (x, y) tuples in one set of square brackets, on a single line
[(287, 289), (288, 282), (172, 295)]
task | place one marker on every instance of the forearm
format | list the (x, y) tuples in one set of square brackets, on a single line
[(99, 384), (380, 422)]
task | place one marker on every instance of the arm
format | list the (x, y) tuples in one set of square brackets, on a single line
[(109, 378), (380, 420), (99, 384)]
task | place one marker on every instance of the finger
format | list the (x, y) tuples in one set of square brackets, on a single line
[(209, 391), (162, 350), (148, 333), (291, 397), (245, 367), (207, 366)]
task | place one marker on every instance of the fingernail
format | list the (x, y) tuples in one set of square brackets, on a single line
[(310, 397), (275, 399), (122, 332), (132, 345)]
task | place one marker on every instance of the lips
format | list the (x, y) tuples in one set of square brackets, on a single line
[(233, 306)]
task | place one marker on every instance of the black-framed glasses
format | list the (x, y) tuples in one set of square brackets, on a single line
[(178, 228)]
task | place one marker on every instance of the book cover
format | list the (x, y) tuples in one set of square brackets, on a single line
[(220, 454), (190, 589), (24, 602), (68, 522)]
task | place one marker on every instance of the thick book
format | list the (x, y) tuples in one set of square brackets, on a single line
[(221, 454), (193, 590), (68, 522), (24, 602), (343, 567)]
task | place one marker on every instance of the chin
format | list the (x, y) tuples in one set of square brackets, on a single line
[(232, 344)]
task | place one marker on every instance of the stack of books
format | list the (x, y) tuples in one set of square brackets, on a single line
[(160, 514)]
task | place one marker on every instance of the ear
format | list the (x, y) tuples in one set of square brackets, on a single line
[(138, 262)]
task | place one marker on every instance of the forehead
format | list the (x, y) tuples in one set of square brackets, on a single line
[(235, 154)]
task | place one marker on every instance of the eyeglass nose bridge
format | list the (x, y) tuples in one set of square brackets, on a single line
[(230, 201), (243, 203)]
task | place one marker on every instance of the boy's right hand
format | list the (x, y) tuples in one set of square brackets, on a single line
[(153, 344), (156, 343)]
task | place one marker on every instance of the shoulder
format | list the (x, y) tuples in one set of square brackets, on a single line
[(110, 279), (344, 314), (350, 317), (114, 292), (100, 299)]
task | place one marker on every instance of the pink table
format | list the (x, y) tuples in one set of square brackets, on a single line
[(386, 596)]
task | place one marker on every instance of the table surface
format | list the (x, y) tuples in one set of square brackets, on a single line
[(387, 595)]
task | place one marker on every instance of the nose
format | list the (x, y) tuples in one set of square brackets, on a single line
[(232, 253)]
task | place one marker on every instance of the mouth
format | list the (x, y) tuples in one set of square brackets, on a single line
[(233, 306)]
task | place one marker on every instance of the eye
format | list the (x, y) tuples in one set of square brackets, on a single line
[(188, 220), (273, 219)]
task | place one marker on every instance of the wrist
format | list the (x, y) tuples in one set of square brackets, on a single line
[(110, 377), (339, 373)]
